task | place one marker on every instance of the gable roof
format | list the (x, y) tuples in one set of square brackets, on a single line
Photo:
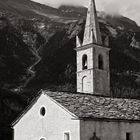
[(88, 106)]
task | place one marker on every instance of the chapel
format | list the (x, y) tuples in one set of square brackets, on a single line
[(90, 113)]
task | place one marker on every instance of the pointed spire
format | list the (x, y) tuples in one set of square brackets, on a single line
[(78, 41), (92, 32), (106, 41)]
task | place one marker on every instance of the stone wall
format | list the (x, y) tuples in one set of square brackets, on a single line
[(105, 130), (86, 87), (98, 80)]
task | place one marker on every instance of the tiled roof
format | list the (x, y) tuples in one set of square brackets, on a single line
[(90, 106)]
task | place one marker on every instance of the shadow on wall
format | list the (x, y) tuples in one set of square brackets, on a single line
[(94, 137)]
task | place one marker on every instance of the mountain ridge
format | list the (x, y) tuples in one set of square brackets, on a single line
[(40, 27)]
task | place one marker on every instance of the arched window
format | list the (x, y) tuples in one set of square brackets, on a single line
[(85, 88), (84, 62), (100, 62)]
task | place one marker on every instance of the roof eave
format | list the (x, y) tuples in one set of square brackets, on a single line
[(109, 119)]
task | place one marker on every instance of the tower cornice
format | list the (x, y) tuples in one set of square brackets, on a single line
[(92, 45)]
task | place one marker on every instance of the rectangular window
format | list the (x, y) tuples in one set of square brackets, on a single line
[(66, 136), (129, 136)]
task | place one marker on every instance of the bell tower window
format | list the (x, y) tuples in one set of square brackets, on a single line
[(100, 62), (84, 62)]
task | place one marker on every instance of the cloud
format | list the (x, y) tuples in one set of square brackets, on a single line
[(57, 3), (126, 8)]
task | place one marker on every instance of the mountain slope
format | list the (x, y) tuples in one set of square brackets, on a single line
[(48, 34), (37, 51), (24, 7), (29, 9)]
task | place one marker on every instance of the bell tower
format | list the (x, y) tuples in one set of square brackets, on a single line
[(93, 74)]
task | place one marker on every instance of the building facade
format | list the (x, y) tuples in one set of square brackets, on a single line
[(78, 116), (46, 120)]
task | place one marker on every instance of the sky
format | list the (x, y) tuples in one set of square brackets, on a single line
[(128, 8)]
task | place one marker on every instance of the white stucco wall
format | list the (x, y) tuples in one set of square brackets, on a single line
[(109, 130), (52, 126), (88, 73), (98, 80)]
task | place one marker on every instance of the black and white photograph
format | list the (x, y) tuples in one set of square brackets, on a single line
[(69, 70)]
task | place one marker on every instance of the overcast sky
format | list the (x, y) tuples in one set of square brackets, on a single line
[(128, 8)]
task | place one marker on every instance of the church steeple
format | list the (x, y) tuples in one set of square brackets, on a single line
[(93, 74), (92, 32), (78, 41)]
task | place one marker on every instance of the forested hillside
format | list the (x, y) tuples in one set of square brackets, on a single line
[(37, 48)]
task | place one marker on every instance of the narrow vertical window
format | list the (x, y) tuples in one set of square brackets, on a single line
[(128, 136), (84, 62), (100, 62), (66, 136)]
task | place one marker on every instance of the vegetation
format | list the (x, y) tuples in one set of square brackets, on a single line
[(37, 51)]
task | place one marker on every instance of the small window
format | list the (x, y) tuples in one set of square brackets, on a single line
[(100, 62), (43, 111), (84, 62), (66, 136), (128, 136)]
